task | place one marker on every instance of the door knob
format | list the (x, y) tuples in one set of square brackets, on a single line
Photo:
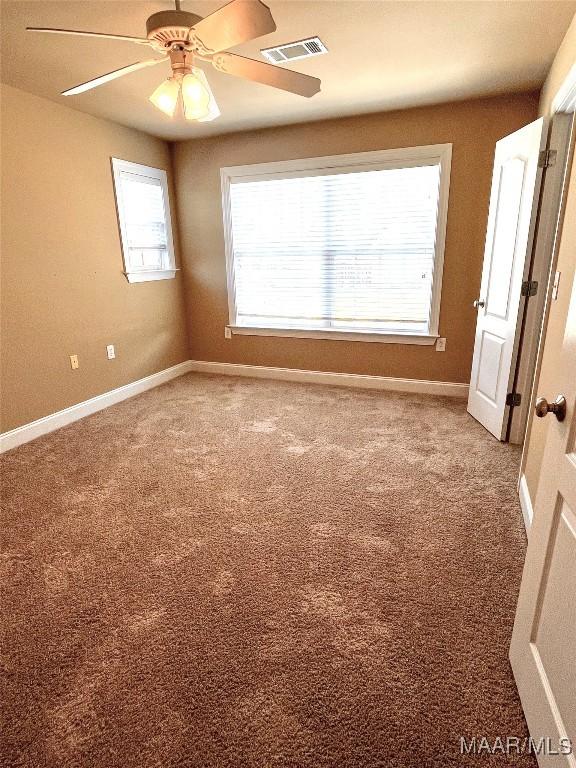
[(558, 407), (479, 303)]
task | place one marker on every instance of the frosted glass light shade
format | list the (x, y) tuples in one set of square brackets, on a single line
[(165, 97), (213, 110), (213, 113), (195, 96)]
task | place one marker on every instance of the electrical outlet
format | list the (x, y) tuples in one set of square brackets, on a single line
[(110, 352), (227, 333), (441, 345), (74, 364)]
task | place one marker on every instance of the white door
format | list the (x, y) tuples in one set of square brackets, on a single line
[(512, 216), (543, 649)]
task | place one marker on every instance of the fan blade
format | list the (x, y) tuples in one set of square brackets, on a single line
[(111, 76), (89, 34), (235, 23), (295, 82)]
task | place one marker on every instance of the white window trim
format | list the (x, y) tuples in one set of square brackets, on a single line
[(144, 275), (433, 154)]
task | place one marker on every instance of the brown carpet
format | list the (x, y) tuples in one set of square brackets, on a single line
[(225, 573)]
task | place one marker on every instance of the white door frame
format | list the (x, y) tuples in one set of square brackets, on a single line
[(565, 99), (539, 270), (547, 251)]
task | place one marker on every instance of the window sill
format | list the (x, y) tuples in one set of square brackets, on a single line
[(338, 335), (145, 276)]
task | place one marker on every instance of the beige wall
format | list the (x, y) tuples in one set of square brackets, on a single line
[(63, 291), (538, 429), (62, 287), (473, 127)]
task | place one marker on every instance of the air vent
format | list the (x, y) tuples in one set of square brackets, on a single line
[(301, 49)]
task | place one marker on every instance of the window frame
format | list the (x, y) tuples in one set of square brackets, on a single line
[(168, 271), (406, 157)]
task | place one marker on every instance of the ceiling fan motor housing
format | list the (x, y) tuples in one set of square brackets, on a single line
[(168, 27)]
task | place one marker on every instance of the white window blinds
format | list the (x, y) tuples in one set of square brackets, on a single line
[(336, 251), (144, 221), (142, 200)]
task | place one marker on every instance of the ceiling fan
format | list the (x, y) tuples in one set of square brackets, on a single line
[(184, 37)]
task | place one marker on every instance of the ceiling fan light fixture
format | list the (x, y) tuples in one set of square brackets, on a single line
[(165, 97), (180, 36), (196, 95)]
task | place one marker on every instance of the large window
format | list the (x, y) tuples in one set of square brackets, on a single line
[(144, 220), (338, 247)]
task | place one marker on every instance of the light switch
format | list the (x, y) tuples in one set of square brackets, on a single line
[(110, 352)]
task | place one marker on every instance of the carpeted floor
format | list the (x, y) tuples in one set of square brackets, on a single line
[(229, 573)]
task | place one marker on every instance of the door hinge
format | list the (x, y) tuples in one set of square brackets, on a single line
[(513, 398), (547, 158), (529, 288)]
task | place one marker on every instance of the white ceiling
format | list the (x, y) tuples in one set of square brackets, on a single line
[(382, 55)]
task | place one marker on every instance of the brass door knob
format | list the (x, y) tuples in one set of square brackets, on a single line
[(558, 407), (479, 303)]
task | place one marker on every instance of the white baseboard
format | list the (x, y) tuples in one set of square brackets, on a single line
[(34, 429), (525, 503), (42, 426), (446, 388)]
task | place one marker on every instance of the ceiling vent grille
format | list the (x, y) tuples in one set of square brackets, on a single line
[(301, 49)]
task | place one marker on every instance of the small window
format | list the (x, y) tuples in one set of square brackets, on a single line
[(144, 219), (338, 247)]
